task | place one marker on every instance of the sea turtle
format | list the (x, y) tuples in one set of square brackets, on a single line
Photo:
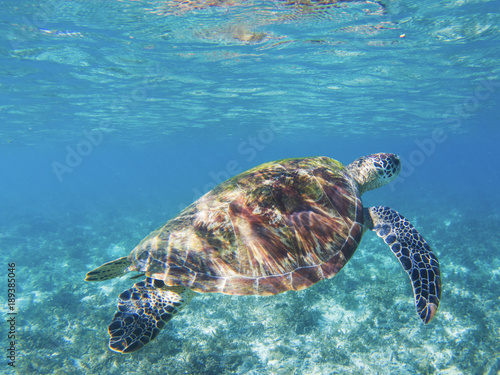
[(283, 225)]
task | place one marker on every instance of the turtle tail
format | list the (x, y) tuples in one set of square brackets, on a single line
[(109, 270), (414, 254)]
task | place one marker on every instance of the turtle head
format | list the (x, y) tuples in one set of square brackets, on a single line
[(373, 171)]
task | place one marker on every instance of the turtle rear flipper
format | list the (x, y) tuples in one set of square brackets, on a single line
[(142, 313), (109, 270), (414, 254)]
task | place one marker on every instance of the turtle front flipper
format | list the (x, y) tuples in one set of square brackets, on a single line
[(414, 254), (142, 313)]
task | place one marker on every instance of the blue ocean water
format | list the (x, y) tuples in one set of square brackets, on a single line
[(116, 115)]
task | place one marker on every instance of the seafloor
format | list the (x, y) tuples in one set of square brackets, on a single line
[(361, 322)]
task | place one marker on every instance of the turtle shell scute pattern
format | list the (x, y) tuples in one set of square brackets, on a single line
[(280, 226)]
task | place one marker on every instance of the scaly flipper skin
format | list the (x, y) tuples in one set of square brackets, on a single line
[(414, 254), (142, 313)]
